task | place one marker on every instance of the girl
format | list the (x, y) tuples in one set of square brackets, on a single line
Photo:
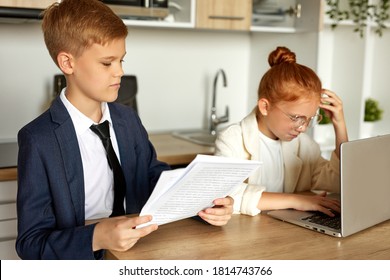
[(289, 97)]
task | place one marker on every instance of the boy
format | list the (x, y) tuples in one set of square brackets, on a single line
[(64, 177)]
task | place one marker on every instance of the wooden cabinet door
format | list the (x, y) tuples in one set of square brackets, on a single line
[(36, 4), (224, 14)]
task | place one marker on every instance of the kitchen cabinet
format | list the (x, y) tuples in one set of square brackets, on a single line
[(224, 14), (8, 220), (181, 15), (37, 4), (289, 16)]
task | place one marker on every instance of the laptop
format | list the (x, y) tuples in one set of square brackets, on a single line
[(364, 193)]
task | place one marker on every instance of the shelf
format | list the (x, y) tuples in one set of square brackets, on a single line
[(329, 22), (189, 25), (272, 29), (158, 24)]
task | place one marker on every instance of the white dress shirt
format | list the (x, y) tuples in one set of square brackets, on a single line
[(272, 173), (98, 176)]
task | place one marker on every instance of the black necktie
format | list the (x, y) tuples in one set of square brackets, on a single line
[(103, 131)]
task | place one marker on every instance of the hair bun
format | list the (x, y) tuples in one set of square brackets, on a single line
[(280, 55)]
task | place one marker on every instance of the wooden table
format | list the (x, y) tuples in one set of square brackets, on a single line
[(259, 237)]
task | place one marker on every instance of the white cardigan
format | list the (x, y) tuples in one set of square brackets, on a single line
[(304, 168)]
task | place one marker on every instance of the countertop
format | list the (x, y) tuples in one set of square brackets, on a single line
[(176, 151), (172, 150)]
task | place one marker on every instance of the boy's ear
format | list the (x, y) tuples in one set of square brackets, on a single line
[(64, 61), (263, 105)]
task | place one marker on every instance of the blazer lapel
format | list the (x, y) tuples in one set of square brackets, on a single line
[(250, 137), (290, 150), (125, 147), (67, 141)]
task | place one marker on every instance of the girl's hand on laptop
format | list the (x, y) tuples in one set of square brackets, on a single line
[(318, 202)]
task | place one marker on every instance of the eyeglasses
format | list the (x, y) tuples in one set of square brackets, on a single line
[(300, 121)]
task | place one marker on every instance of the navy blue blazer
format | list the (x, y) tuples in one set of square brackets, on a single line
[(51, 197)]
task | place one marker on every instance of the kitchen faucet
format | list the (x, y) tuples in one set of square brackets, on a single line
[(214, 120)]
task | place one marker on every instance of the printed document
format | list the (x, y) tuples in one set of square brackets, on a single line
[(182, 193)]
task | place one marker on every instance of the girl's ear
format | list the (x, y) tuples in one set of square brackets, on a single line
[(64, 61), (263, 105)]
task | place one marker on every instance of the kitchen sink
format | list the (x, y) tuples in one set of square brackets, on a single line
[(202, 137)]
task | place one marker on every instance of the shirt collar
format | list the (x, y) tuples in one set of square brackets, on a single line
[(80, 121)]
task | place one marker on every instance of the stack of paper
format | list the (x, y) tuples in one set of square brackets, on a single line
[(182, 193)]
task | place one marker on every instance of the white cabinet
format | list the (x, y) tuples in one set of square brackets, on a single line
[(287, 16), (8, 220), (7, 250), (181, 15)]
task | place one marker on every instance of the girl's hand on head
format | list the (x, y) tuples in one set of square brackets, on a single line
[(333, 106)]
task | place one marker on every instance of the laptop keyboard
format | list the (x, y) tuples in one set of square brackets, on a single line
[(325, 220)]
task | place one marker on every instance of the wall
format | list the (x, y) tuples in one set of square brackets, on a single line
[(263, 43), (379, 87), (175, 70), (26, 72), (356, 68)]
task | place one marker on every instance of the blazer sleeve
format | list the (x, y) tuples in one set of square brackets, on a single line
[(47, 226), (246, 197)]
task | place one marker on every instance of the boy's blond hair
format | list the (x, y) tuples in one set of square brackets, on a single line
[(74, 25)]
